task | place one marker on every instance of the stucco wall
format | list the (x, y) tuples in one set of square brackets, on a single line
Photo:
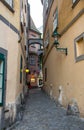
[(65, 71), (12, 17), (9, 42)]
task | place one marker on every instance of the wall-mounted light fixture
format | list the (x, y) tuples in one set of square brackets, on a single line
[(56, 43)]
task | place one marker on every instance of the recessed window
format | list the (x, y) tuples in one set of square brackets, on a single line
[(55, 19), (74, 2), (46, 4), (10, 2), (79, 47), (46, 42), (45, 74), (32, 60)]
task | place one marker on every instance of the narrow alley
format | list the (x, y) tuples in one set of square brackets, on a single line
[(42, 113), (42, 65)]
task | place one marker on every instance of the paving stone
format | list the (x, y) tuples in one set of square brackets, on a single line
[(42, 113)]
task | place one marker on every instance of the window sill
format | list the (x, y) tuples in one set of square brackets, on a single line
[(80, 58), (75, 3), (8, 6)]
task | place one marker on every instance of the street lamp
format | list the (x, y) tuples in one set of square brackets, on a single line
[(56, 43)]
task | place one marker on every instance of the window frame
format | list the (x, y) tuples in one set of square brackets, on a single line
[(55, 19), (9, 3), (2, 59), (11, 8), (32, 60), (47, 39), (81, 57), (47, 4), (74, 3)]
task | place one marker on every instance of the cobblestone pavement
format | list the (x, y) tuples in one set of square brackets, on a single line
[(42, 113)]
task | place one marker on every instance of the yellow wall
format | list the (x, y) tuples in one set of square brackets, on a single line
[(22, 52), (62, 70), (9, 41), (13, 18), (12, 47)]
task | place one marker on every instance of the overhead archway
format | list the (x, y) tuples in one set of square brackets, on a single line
[(35, 41)]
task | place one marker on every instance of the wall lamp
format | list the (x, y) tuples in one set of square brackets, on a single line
[(56, 43)]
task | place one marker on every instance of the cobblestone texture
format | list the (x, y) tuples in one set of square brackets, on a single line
[(42, 113)]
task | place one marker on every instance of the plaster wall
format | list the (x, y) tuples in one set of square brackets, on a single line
[(64, 71), (12, 17), (9, 41)]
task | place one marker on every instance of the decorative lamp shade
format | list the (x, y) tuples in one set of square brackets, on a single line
[(55, 34)]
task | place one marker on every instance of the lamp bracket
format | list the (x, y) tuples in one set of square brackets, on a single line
[(63, 49)]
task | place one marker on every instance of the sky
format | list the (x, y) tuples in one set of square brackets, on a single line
[(36, 11)]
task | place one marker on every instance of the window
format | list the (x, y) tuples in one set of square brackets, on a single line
[(10, 2), (79, 47), (21, 67), (46, 42), (55, 19), (32, 60), (74, 1), (46, 4), (45, 74), (25, 8), (1, 78)]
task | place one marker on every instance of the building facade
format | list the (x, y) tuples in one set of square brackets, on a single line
[(34, 35), (63, 63), (13, 29)]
